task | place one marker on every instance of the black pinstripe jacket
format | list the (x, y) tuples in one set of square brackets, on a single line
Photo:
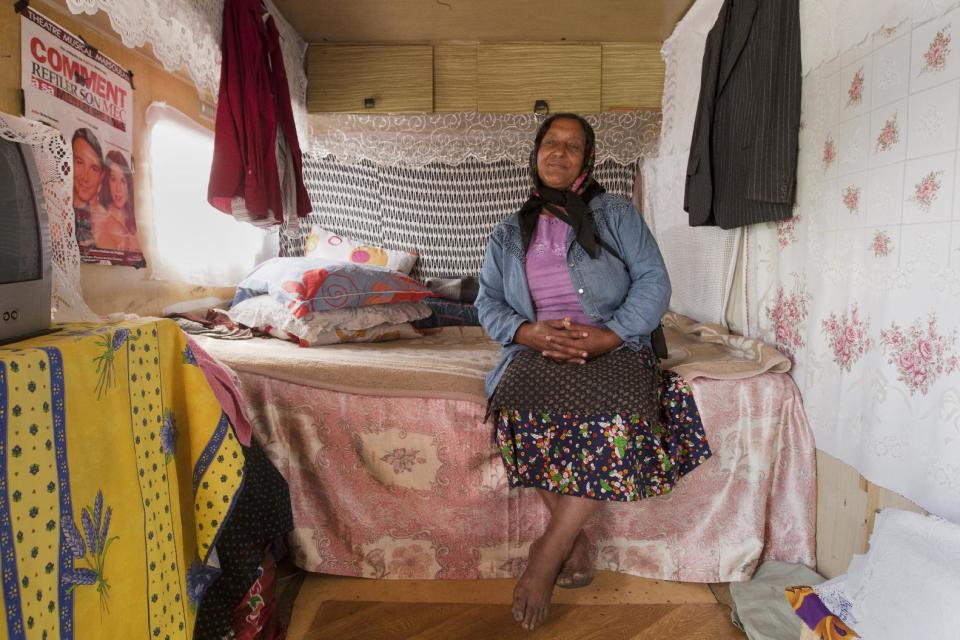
[(743, 157)]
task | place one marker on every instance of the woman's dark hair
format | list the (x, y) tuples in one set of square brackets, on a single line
[(87, 136), (116, 159)]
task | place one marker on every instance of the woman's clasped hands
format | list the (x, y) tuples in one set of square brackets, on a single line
[(567, 341)]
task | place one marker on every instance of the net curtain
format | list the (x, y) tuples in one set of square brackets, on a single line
[(438, 183)]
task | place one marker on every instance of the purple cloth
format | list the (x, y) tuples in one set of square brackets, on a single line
[(547, 275), (226, 388)]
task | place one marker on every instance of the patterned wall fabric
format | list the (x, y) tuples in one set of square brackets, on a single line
[(861, 288), (444, 212)]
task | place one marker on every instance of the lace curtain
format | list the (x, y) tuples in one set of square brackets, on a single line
[(438, 183), (187, 35), (54, 160), (831, 27), (701, 260), (451, 138), (861, 288)]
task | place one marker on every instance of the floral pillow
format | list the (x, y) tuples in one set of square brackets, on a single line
[(263, 311), (306, 285), (320, 243)]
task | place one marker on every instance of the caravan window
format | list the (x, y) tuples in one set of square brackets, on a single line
[(193, 242)]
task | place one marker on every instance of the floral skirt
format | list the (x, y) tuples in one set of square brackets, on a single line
[(620, 455)]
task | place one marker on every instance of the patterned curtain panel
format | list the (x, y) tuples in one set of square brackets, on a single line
[(444, 212), (861, 288), (701, 260)]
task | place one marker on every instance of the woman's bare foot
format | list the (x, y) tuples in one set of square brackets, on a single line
[(531, 596), (577, 571)]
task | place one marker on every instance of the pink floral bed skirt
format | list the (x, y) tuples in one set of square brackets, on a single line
[(399, 487)]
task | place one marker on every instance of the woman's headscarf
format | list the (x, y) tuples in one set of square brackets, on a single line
[(574, 199)]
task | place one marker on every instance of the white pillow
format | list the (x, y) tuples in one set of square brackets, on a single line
[(320, 243), (379, 333), (264, 311)]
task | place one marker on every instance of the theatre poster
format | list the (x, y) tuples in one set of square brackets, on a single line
[(73, 87)]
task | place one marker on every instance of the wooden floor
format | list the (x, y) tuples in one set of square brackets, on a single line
[(614, 607)]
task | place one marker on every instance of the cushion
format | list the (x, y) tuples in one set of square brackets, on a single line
[(263, 311), (305, 285), (321, 243), (379, 333)]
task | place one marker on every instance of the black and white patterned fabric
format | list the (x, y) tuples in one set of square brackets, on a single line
[(443, 212)]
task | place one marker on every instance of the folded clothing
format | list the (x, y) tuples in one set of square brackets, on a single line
[(216, 324), (461, 289), (447, 313), (266, 314)]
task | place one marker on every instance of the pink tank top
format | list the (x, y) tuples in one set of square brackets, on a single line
[(547, 275)]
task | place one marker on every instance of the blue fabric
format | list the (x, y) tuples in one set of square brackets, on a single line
[(447, 313), (627, 295)]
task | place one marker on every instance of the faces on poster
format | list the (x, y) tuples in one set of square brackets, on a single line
[(102, 196), (87, 168), (118, 187)]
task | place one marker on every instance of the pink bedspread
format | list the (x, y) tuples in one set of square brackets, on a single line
[(400, 487)]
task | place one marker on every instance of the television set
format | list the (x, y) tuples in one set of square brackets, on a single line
[(25, 268)]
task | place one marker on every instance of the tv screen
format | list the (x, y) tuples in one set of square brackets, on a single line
[(21, 249)]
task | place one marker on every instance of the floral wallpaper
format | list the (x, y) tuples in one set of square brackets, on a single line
[(861, 289)]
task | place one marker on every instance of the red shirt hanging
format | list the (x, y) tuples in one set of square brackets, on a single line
[(254, 102)]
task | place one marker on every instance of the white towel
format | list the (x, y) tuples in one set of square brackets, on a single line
[(906, 586)]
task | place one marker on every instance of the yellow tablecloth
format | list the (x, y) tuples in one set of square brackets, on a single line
[(117, 471)]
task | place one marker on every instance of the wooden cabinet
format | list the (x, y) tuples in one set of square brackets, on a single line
[(398, 77), (484, 77), (455, 77), (632, 76), (511, 77)]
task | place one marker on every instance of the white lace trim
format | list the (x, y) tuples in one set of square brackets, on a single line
[(54, 160), (452, 138), (187, 34), (832, 27)]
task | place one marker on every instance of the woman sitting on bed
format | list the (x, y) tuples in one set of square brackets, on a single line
[(572, 286)]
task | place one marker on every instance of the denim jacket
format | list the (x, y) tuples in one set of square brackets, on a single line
[(627, 295)]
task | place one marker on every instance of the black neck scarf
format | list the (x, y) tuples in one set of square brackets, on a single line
[(569, 205)]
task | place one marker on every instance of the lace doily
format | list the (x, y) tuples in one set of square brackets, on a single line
[(187, 34), (832, 27), (452, 138), (54, 160)]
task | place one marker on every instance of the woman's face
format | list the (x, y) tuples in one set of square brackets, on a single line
[(560, 156), (118, 187)]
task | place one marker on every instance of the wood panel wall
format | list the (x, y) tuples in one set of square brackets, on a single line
[(455, 77), (632, 76), (110, 289), (847, 504)]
